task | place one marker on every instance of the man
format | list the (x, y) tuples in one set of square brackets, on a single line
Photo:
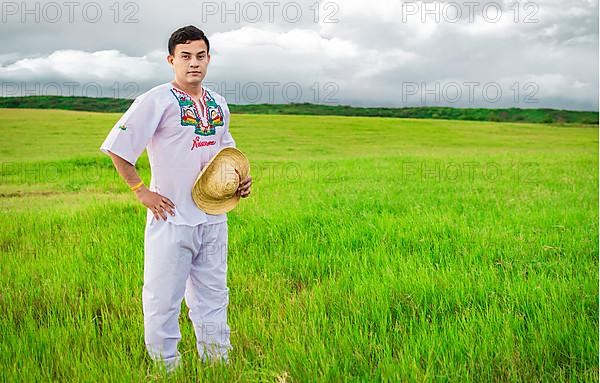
[(183, 125)]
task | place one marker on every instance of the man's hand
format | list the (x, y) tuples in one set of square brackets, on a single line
[(244, 187), (158, 204)]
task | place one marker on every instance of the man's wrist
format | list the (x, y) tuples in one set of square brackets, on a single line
[(137, 186), (140, 190)]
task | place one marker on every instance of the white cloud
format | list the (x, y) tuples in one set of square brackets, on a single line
[(295, 42), (79, 65), (302, 52)]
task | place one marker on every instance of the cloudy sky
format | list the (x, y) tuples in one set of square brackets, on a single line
[(379, 53)]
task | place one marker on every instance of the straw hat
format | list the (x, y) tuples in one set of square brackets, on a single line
[(215, 187)]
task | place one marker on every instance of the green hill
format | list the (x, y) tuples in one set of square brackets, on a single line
[(435, 112)]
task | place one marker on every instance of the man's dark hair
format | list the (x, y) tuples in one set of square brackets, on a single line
[(184, 35)]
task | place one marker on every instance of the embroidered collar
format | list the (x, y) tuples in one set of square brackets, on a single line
[(200, 112)]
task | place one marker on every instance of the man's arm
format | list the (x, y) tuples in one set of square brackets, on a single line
[(158, 204)]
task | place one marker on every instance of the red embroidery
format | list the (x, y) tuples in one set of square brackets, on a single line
[(198, 144)]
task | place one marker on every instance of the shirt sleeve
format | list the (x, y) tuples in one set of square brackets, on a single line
[(227, 139), (131, 134)]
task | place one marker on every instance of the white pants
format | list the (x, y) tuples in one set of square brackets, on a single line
[(188, 261)]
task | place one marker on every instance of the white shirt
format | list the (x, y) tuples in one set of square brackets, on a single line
[(181, 135)]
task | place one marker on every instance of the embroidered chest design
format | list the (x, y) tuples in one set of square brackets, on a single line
[(204, 117)]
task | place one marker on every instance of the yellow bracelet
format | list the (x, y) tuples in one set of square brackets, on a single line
[(137, 186)]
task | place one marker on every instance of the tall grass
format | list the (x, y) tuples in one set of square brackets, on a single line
[(371, 249)]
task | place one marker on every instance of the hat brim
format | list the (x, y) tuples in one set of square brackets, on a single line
[(202, 198)]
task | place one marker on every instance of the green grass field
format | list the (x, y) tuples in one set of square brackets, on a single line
[(371, 249)]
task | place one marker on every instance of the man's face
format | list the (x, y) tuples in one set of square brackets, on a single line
[(189, 62)]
